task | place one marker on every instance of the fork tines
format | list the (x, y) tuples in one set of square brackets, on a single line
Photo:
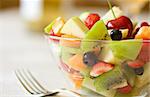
[(29, 82)]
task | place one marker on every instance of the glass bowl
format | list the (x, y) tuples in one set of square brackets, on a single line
[(103, 67)]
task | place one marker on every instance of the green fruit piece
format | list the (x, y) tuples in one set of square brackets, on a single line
[(143, 79), (68, 52), (84, 15), (107, 56), (86, 72), (107, 83), (71, 50), (48, 28), (89, 84), (97, 32), (127, 49), (75, 27), (65, 56)]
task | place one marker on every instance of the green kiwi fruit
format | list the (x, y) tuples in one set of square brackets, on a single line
[(97, 32)]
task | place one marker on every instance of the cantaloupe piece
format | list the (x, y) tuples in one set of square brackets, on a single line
[(77, 80), (76, 62), (143, 33), (70, 43)]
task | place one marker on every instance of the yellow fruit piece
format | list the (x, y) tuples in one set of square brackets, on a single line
[(77, 79), (70, 43), (143, 33), (76, 62)]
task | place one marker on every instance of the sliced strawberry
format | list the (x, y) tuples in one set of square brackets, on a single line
[(91, 20), (144, 54), (100, 68), (125, 89), (135, 63)]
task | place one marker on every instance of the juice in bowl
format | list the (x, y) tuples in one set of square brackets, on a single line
[(108, 55)]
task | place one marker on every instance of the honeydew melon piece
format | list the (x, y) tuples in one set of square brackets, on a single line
[(97, 32), (107, 56), (109, 15), (75, 27), (127, 49)]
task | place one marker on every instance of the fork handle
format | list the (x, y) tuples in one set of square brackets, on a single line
[(70, 92)]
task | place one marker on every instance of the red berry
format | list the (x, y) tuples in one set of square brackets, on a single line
[(135, 63), (122, 22), (144, 24), (125, 89), (91, 20), (100, 68)]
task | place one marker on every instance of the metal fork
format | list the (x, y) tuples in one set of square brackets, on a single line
[(31, 85)]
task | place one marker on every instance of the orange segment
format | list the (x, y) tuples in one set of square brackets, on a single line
[(70, 43), (76, 62), (77, 79), (143, 33)]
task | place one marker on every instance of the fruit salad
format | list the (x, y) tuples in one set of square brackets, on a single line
[(109, 55)]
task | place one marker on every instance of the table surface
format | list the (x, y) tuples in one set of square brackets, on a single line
[(20, 48)]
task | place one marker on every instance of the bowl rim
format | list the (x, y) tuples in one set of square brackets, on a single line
[(92, 40)]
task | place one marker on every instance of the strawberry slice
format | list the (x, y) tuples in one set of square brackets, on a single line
[(135, 63), (91, 20), (125, 89), (100, 68)]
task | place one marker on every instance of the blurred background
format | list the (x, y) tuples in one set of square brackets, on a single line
[(21, 33), (36, 14)]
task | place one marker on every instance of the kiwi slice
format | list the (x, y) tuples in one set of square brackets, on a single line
[(97, 32), (89, 83), (127, 49), (111, 80), (106, 83)]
